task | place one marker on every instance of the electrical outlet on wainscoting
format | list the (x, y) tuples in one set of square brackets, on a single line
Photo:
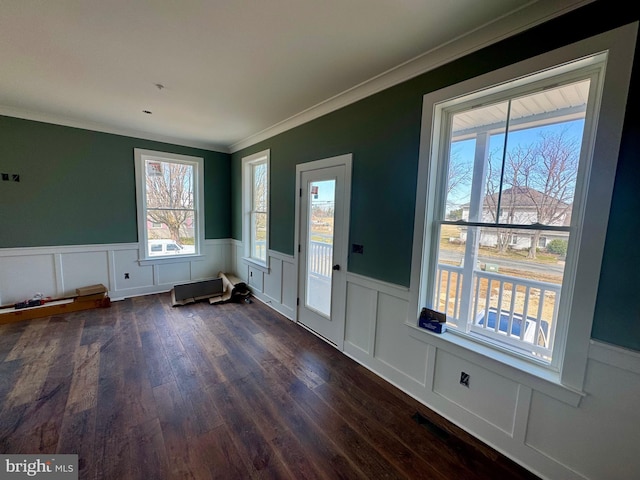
[(464, 379)]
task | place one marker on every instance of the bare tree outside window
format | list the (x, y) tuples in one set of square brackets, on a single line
[(458, 175), (551, 180), (170, 199), (538, 185), (259, 210)]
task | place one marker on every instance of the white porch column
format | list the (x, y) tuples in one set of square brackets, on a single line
[(476, 202)]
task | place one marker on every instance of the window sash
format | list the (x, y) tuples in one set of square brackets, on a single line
[(521, 313)]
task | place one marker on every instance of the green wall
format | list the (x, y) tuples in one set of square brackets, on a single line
[(78, 186), (382, 132)]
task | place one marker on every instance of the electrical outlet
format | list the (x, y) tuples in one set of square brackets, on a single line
[(464, 379), (5, 177), (126, 276)]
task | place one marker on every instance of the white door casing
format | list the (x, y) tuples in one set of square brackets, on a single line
[(322, 245)]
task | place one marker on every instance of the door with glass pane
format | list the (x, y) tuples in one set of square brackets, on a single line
[(322, 236)]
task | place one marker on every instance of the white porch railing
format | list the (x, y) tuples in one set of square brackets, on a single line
[(516, 311), (260, 249), (320, 258)]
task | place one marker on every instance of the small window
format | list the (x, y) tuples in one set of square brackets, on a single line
[(255, 173), (170, 204)]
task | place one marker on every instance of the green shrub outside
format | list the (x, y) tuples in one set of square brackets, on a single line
[(557, 246)]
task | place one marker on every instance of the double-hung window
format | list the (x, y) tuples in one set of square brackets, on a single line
[(515, 180), (255, 172), (511, 162), (169, 191)]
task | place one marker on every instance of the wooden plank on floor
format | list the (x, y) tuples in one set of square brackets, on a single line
[(178, 432), (259, 454), (84, 385)]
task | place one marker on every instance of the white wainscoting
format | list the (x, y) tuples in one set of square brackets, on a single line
[(553, 435), (274, 285), (58, 271)]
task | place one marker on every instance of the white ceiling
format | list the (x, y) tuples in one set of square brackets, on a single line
[(230, 69)]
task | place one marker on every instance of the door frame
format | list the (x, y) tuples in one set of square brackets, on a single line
[(339, 312)]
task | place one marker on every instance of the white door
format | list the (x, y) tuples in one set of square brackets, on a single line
[(323, 222)]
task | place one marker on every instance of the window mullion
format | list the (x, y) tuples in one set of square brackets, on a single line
[(503, 163), (473, 233)]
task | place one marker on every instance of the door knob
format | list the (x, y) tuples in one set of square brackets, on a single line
[(336, 267)]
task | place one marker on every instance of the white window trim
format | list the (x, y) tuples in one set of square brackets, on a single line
[(140, 156), (619, 44), (247, 189)]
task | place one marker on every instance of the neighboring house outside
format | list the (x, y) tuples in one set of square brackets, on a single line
[(522, 206)]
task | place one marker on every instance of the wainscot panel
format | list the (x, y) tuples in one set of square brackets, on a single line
[(83, 268), (488, 396), (128, 274), (273, 280), (256, 280), (216, 259), (275, 285), (362, 304), (173, 273), (588, 439), (289, 288), (392, 345), (21, 277)]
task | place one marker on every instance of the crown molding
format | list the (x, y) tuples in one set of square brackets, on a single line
[(98, 127), (529, 16)]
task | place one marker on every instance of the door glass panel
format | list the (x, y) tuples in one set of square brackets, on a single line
[(320, 246)]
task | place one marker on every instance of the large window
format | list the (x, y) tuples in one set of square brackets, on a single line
[(170, 204), (255, 171), (509, 160), (514, 186)]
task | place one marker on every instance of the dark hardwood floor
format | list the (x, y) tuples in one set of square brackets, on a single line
[(142, 390)]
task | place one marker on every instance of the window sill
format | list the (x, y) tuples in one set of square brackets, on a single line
[(174, 259), (519, 370), (252, 262)]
